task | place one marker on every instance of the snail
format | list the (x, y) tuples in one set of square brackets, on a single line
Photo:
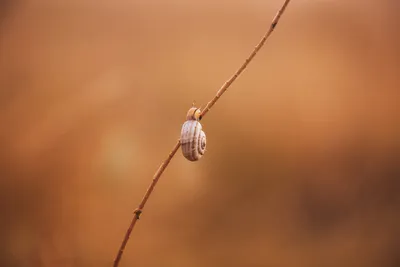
[(193, 139)]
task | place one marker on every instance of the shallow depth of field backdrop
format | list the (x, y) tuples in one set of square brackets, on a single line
[(302, 167)]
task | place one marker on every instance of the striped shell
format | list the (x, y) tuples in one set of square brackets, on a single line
[(193, 140)]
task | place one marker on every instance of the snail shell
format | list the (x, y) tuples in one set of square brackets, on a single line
[(193, 139)]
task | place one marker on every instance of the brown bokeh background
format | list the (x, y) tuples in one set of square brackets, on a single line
[(303, 160)]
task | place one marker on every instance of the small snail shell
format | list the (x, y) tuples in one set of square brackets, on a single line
[(193, 139)]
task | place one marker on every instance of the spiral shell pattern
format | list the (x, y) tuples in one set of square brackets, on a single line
[(193, 140)]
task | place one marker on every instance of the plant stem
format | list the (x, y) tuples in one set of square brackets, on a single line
[(146, 196), (209, 105), (228, 83)]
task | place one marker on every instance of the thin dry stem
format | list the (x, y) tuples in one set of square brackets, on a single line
[(209, 105), (146, 196), (228, 83)]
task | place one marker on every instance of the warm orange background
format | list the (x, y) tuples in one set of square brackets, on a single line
[(303, 160)]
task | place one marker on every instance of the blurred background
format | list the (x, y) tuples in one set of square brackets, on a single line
[(303, 159)]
